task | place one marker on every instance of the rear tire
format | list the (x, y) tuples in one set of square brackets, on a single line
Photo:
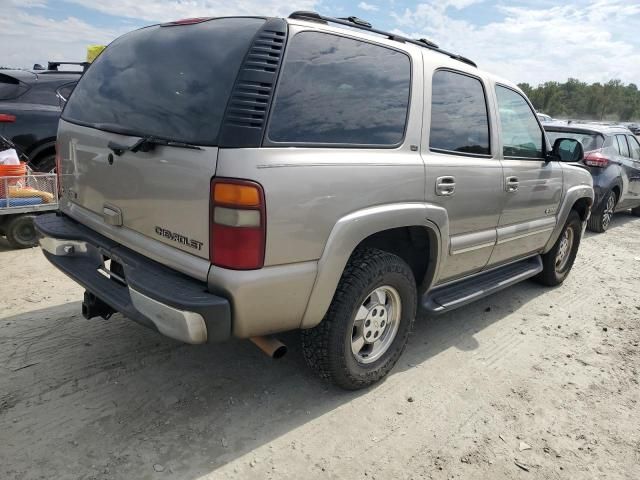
[(366, 328), (20, 231), (600, 220), (558, 261), (45, 164)]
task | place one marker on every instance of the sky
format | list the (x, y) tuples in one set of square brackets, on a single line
[(530, 41)]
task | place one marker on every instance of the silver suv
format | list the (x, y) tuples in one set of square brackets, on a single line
[(246, 176)]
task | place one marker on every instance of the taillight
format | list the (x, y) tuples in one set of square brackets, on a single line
[(238, 224), (7, 118), (596, 159), (59, 170)]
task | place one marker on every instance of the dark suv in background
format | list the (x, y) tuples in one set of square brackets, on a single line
[(612, 155), (30, 106)]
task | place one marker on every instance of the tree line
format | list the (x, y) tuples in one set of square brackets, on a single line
[(574, 99)]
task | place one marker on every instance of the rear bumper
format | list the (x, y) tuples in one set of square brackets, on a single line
[(152, 294)]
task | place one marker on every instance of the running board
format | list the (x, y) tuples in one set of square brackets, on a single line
[(446, 298)]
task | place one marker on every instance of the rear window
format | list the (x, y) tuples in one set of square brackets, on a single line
[(171, 82), (589, 141)]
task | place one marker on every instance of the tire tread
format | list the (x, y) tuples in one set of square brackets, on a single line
[(320, 346)]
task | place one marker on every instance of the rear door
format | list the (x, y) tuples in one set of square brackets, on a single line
[(464, 174), (169, 82), (634, 169), (532, 186)]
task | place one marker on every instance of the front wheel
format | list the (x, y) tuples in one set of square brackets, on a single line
[(558, 261), (368, 322)]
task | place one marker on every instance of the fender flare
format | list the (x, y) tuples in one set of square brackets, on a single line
[(573, 194), (350, 230), (616, 182)]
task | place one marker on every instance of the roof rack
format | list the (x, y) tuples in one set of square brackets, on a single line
[(53, 66), (355, 22)]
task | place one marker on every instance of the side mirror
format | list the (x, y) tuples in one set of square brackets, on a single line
[(567, 150)]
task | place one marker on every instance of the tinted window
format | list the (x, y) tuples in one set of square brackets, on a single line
[(521, 134), (10, 87), (459, 121), (65, 91), (635, 147), (623, 148), (589, 141), (42, 94), (171, 82), (341, 91)]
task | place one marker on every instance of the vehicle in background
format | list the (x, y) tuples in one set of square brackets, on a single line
[(30, 106), (335, 188), (635, 128), (612, 155), (544, 118)]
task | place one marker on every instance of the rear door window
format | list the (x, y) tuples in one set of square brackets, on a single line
[(634, 146), (171, 82), (459, 119), (622, 144), (521, 133), (336, 90)]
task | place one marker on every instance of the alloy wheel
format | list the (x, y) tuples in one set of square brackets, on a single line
[(607, 214), (375, 324), (564, 250)]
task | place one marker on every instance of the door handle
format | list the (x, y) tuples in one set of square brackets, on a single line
[(445, 186), (512, 184)]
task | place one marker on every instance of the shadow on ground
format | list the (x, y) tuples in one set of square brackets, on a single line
[(96, 396)]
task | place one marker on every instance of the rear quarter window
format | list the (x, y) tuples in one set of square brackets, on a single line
[(11, 87), (340, 91)]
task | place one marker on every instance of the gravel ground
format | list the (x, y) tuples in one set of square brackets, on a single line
[(529, 383)]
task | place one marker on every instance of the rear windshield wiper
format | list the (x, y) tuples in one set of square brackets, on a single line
[(147, 144)]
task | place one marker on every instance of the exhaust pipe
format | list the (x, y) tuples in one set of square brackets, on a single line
[(271, 346)]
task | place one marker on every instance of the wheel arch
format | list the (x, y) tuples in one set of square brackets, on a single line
[(579, 198), (386, 227)]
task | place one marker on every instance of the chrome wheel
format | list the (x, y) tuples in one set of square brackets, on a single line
[(375, 324), (607, 214), (564, 250)]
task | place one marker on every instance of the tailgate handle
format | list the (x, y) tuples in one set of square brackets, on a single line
[(112, 215)]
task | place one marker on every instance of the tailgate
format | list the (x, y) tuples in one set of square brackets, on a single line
[(162, 194)]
